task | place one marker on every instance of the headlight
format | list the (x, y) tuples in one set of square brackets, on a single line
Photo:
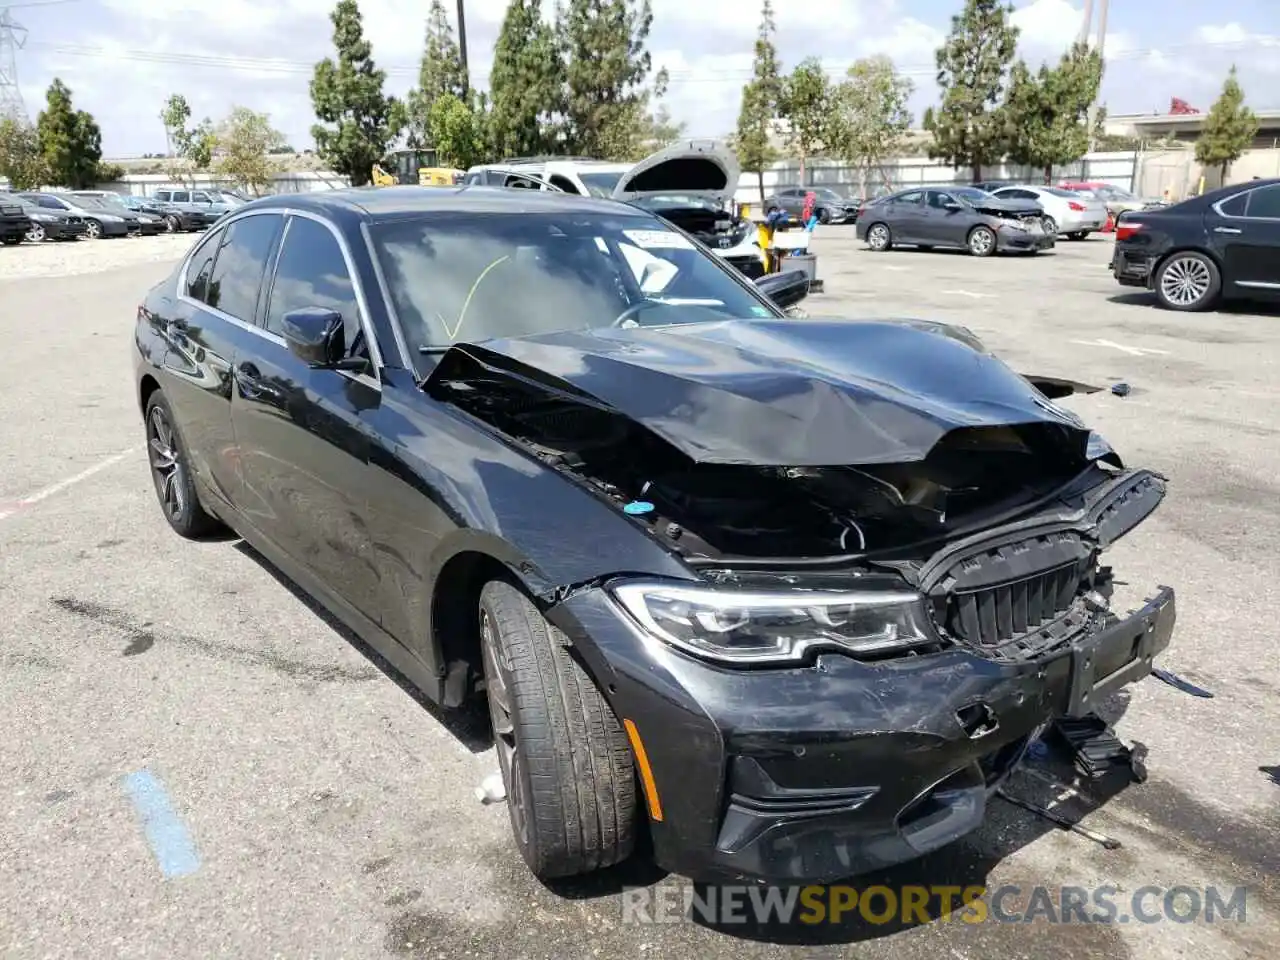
[(1013, 225), (739, 626)]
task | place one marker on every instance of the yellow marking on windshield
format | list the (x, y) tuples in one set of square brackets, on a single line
[(471, 293)]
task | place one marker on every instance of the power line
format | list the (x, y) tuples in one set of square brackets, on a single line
[(284, 66), (13, 37)]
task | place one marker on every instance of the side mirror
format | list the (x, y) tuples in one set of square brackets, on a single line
[(316, 336), (785, 289)]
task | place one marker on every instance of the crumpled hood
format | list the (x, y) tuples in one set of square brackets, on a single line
[(785, 392)]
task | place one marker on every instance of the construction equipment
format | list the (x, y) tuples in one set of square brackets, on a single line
[(381, 178)]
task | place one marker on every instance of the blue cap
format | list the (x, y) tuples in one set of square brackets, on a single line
[(637, 507)]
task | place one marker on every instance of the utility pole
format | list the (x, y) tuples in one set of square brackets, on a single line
[(462, 43), (1086, 22), (1100, 46), (13, 36)]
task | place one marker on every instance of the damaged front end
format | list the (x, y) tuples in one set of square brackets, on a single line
[(894, 549)]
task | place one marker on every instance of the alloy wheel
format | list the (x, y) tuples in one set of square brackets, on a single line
[(166, 464), (1050, 226), (93, 229), (878, 237), (171, 224), (981, 241), (36, 234), (498, 691), (1185, 281)]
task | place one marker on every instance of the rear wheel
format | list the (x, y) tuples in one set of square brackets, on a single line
[(1188, 281), (564, 756), (981, 241), (36, 234), (1050, 226), (1078, 235), (878, 237), (171, 473), (11, 241), (172, 224)]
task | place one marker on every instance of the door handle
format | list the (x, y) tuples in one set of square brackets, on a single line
[(1227, 230)]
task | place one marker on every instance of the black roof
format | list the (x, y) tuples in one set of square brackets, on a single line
[(385, 202)]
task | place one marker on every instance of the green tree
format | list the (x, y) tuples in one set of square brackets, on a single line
[(871, 115), (358, 120), (194, 144), (1046, 114), (526, 83), (761, 96), (456, 131), (70, 141), (807, 105), (246, 140), (20, 158), (969, 126), (607, 67), (1229, 128), (440, 72)]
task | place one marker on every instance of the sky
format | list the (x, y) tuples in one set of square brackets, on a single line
[(123, 58)]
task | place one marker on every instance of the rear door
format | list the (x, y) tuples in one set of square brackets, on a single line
[(212, 322), (303, 442), (1250, 243)]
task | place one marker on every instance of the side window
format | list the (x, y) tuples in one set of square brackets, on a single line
[(473, 178), (200, 267), (1015, 194), (939, 200), (311, 272), (182, 196), (51, 203), (564, 183), (913, 197), (241, 261), (163, 196), (1235, 206), (1265, 202), (199, 197)]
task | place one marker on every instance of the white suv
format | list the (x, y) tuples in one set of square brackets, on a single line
[(691, 184)]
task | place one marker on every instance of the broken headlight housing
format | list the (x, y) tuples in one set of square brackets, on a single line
[(782, 627)]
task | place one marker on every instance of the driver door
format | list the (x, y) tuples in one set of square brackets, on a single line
[(944, 220)]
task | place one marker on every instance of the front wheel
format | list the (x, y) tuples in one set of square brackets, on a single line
[(172, 224), (1188, 282), (564, 757), (878, 237), (171, 473), (824, 215), (92, 230), (36, 234), (982, 241), (1078, 235)]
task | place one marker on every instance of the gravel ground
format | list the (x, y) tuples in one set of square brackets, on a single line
[(66, 259), (332, 815)]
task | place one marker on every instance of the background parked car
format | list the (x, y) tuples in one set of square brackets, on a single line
[(829, 205), (1223, 245), (1068, 213), (175, 220), (51, 224), (1117, 200), (150, 225), (14, 222), (955, 217), (200, 202), (98, 220)]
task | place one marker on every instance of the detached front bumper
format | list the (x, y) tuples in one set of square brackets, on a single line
[(1009, 240), (816, 774)]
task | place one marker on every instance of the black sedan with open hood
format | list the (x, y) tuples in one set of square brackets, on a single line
[(790, 596)]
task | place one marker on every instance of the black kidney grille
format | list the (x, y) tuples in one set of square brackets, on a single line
[(992, 616)]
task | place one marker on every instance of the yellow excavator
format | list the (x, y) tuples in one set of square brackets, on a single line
[(414, 167)]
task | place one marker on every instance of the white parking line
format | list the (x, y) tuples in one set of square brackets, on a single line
[(1132, 351), (968, 293), (15, 507)]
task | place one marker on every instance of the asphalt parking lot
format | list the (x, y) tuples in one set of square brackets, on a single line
[(325, 812)]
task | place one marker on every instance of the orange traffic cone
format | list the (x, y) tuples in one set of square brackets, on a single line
[(1110, 225)]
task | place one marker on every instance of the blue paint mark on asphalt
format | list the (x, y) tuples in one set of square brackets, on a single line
[(166, 833)]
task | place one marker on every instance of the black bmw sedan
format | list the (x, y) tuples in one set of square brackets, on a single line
[(791, 596)]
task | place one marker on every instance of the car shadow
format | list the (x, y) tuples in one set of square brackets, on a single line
[(468, 723), (1230, 308)]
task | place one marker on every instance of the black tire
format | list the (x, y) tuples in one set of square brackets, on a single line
[(565, 759), (879, 237), (92, 230), (36, 233), (1188, 282), (981, 241), (172, 224), (1078, 235), (1050, 226), (824, 215), (171, 473), (11, 241)]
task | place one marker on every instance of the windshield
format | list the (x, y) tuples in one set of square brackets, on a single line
[(970, 193), (1115, 193), (89, 203), (827, 194), (600, 184), (467, 277)]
